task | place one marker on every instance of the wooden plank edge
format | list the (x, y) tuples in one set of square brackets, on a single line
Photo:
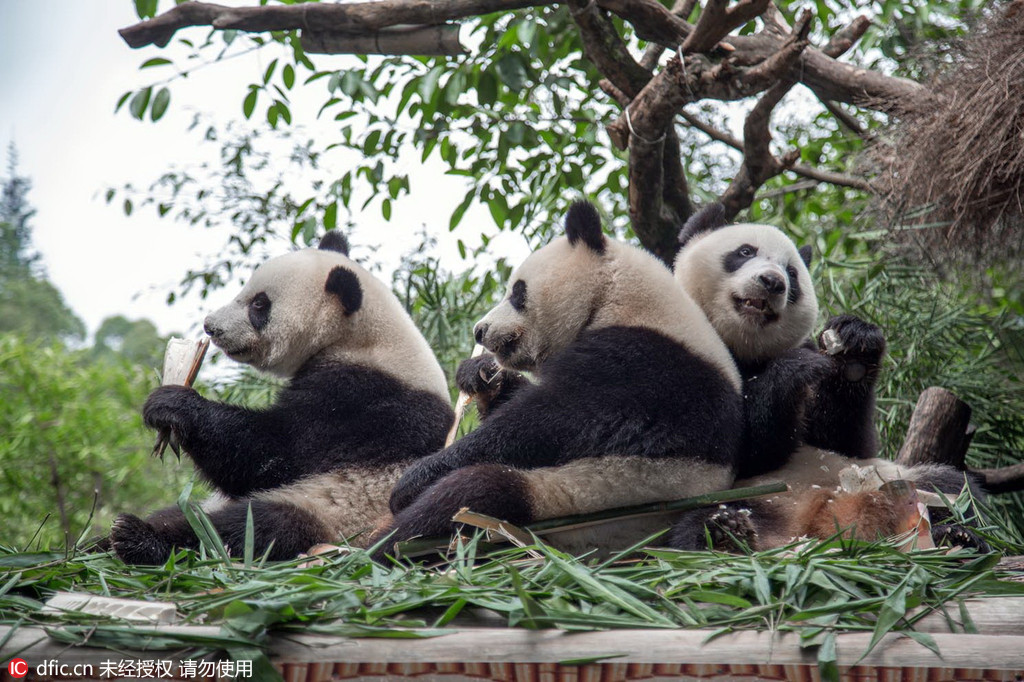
[(492, 645)]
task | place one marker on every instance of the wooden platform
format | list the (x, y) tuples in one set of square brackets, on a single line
[(475, 653)]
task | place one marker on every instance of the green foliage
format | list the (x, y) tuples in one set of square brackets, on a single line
[(137, 341), (811, 590), (29, 304), (72, 444)]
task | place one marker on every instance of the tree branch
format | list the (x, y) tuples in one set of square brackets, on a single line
[(759, 164), (798, 168), (356, 18), (718, 20)]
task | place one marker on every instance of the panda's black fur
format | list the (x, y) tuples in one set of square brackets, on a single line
[(797, 394), (807, 414), (623, 410), (317, 464)]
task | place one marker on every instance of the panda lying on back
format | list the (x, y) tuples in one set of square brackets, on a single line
[(637, 399), (808, 414), (365, 397)]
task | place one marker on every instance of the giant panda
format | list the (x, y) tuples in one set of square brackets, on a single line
[(808, 412), (753, 283), (636, 399), (365, 397)]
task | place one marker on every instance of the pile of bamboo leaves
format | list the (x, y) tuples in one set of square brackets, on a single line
[(814, 589)]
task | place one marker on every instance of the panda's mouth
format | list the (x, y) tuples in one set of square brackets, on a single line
[(757, 308)]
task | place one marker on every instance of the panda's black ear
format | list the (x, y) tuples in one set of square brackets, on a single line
[(583, 224), (805, 254), (344, 284), (708, 218), (334, 241)]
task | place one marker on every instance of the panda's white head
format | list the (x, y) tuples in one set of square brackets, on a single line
[(586, 281), (550, 297), (751, 281), (318, 303)]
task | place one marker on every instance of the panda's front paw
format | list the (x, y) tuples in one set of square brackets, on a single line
[(479, 376), (171, 407), (136, 542), (854, 341)]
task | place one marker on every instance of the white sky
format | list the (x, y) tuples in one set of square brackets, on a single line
[(61, 73)]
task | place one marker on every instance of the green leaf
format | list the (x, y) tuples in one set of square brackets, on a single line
[(155, 61), (893, 609), (127, 206), (145, 9), (385, 209), (428, 84), (512, 72), (288, 76), (250, 102), (139, 102), (925, 640), (160, 102), (269, 72), (121, 100), (331, 216), (457, 214), (827, 666)]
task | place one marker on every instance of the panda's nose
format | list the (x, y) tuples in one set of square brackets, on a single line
[(772, 283), (479, 331), (211, 328)]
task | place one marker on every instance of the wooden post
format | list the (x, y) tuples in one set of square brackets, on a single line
[(938, 431)]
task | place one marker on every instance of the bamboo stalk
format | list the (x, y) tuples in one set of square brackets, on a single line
[(421, 546), (197, 361)]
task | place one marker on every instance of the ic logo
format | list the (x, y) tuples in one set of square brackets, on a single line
[(18, 667)]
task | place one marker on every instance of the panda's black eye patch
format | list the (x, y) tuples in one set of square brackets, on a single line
[(259, 311), (735, 259), (794, 284), (518, 297)]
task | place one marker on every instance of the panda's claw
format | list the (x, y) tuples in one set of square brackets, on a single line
[(954, 534)]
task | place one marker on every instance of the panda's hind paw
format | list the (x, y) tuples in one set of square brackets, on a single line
[(136, 542), (731, 529), (956, 535)]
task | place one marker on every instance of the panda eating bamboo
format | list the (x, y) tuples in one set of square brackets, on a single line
[(365, 397), (636, 399)]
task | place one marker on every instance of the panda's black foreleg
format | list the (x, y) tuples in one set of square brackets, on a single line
[(775, 399), (283, 529), (491, 489), (489, 384), (238, 450), (841, 415)]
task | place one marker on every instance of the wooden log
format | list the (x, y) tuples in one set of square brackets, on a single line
[(938, 430)]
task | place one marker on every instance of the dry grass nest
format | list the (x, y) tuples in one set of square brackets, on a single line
[(953, 177)]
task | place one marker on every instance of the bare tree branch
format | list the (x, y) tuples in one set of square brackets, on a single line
[(759, 164), (718, 20), (845, 38)]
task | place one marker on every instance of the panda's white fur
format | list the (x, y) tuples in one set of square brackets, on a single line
[(754, 322), (365, 397), (305, 323), (636, 399)]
